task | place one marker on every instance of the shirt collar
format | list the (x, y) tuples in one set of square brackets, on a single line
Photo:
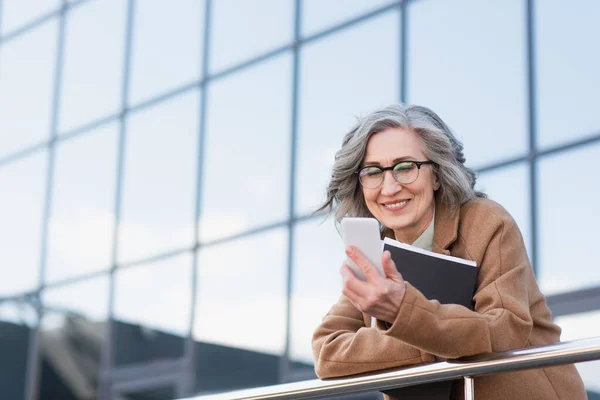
[(425, 241)]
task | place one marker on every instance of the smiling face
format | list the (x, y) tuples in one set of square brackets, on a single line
[(407, 209)]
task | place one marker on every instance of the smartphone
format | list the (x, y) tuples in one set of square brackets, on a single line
[(363, 233)]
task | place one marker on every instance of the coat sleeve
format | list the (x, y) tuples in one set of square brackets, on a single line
[(500, 320), (342, 345)]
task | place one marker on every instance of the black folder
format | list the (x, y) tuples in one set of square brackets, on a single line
[(449, 280)]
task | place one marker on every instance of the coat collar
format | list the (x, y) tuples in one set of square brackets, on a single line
[(445, 228)]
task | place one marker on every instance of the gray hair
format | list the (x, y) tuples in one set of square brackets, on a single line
[(456, 181)]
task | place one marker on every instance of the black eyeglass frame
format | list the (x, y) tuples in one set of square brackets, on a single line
[(383, 169)]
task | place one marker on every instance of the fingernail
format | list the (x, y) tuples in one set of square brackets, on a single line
[(349, 250)]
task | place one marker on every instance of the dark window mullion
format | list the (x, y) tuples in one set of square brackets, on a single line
[(106, 362), (532, 128), (188, 385), (285, 371), (32, 379)]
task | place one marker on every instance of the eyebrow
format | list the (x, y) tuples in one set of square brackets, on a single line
[(394, 161)]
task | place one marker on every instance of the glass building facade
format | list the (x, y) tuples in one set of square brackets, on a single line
[(160, 162)]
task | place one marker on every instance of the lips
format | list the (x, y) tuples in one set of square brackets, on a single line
[(395, 205)]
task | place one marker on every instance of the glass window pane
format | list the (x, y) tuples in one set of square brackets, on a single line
[(246, 167), (20, 312), (509, 187), (317, 284), (340, 80), (17, 13), (17, 318), (581, 326), (72, 338), (478, 89), (23, 184), (152, 310), (159, 186), (245, 29), (93, 62), (157, 64), (568, 217), (567, 70), (318, 15), (241, 288), (26, 88), (82, 213)]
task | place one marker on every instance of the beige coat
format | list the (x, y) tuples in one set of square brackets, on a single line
[(509, 313)]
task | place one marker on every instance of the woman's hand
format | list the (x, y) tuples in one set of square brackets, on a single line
[(378, 296)]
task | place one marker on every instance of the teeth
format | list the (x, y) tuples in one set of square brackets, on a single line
[(396, 205)]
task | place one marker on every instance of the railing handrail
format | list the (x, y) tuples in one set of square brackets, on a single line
[(525, 358)]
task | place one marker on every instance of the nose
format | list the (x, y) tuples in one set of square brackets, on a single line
[(390, 185)]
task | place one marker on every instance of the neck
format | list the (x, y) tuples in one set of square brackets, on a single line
[(409, 236)]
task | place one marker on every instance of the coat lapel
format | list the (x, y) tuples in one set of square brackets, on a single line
[(445, 228)]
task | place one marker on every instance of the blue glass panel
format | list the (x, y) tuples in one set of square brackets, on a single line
[(93, 62), (247, 147), (568, 217), (159, 186), (467, 62), (72, 337), (167, 46), (84, 302), (17, 13), (26, 88), (342, 76), (241, 30), (567, 70), (236, 280), (23, 184), (241, 281), (153, 303), (80, 235), (318, 15), (509, 186), (317, 284)]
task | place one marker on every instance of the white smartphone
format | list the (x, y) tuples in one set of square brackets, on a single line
[(363, 233)]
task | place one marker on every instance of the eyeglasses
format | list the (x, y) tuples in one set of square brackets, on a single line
[(404, 172)]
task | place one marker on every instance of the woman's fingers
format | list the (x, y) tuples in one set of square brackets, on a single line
[(353, 288), (371, 274), (377, 296), (389, 268)]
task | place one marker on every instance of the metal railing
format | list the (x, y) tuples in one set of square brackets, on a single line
[(465, 368)]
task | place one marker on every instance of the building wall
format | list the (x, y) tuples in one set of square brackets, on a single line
[(160, 163)]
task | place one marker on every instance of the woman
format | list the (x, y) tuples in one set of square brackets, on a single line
[(427, 199)]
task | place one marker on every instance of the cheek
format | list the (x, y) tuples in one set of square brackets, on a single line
[(369, 196), (424, 193), (370, 200)]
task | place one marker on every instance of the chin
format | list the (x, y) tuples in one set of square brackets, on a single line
[(398, 228), (396, 225)]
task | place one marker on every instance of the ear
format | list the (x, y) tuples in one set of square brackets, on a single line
[(436, 182)]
